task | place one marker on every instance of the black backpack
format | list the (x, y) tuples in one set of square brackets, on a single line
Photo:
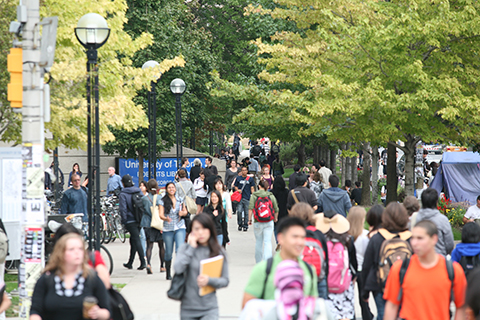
[(469, 263), (256, 150), (137, 206)]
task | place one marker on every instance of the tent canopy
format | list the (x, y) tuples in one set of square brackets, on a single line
[(459, 176)]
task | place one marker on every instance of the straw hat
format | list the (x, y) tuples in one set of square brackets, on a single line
[(333, 221)]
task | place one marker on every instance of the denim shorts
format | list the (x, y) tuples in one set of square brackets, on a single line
[(201, 201)]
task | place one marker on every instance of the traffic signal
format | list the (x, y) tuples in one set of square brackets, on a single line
[(15, 87)]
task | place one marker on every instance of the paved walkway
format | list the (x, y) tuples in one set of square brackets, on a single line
[(146, 294)]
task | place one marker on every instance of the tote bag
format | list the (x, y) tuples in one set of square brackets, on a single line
[(156, 223), (189, 202)]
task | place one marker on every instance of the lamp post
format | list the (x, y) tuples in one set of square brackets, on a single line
[(177, 86), (92, 32), (152, 124)]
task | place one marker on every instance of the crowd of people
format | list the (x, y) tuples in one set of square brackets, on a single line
[(406, 261)]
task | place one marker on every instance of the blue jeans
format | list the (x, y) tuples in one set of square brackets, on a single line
[(220, 239), (380, 302), (322, 289), (242, 213), (263, 240), (168, 237), (143, 240)]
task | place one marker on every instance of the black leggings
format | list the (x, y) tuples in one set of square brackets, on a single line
[(161, 251), (135, 244)]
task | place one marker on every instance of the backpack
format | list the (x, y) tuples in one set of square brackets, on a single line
[(137, 206), (268, 270), (256, 150), (3, 246), (395, 247), (339, 277), (276, 148), (314, 254), (263, 210), (469, 263)]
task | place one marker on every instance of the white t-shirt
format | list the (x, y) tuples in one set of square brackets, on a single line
[(360, 247), (473, 213)]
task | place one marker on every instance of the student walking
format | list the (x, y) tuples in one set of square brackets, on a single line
[(216, 211), (172, 211), (342, 267), (227, 206), (263, 209), (201, 190), (152, 235), (394, 228), (425, 284), (246, 186), (202, 244)]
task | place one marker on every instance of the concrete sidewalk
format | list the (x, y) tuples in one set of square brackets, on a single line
[(146, 294)]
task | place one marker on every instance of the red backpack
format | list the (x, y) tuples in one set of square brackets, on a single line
[(313, 253), (263, 210)]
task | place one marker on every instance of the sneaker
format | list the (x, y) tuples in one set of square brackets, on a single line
[(245, 229), (128, 266), (239, 228)]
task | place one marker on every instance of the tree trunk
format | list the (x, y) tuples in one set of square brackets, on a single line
[(140, 166), (409, 149), (328, 157), (333, 160), (301, 154), (348, 164), (392, 179), (353, 166), (366, 200), (375, 158), (316, 153), (342, 165)]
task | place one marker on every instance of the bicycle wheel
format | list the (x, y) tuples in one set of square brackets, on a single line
[(107, 258), (119, 229), (108, 229)]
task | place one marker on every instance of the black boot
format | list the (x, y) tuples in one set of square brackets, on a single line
[(168, 264)]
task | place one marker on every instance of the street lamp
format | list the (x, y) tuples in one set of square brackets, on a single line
[(152, 124), (177, 86), (92, 32)]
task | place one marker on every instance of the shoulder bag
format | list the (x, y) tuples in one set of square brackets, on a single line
[(177, 288), (156, 223), (237, 195), (189, 202)]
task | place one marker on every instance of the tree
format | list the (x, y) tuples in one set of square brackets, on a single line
[(10, 125), (376, 71), (119, 78)]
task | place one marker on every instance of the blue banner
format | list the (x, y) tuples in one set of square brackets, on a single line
[(166, 169)]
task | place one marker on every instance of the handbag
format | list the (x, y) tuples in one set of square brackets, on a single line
[(189, 202), (119, 306), (156, 223), (177, 288), (237, 195)]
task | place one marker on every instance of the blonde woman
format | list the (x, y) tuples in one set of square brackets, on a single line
[(356, 217), (66, 281)]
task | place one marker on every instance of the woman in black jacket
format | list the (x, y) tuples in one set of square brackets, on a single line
[(394, 221), (280, 192), (217, 213)]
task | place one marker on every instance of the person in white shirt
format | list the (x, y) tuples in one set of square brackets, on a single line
[(356, 217), (472, 213), (326, 173)]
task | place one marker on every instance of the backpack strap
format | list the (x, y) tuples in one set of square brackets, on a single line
[(451, 277), (309, 267), (267, 273), (403, 271), (294, 196)]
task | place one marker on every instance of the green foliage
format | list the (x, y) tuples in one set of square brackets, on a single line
[(455, 216), (9, 122)]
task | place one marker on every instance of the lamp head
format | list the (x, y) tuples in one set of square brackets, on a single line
[(177, 86), (92, 31), (151, 64)]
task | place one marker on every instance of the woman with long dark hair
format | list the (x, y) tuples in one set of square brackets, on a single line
[(227, 206), (216, 211), (172, 210), (280, 192), (75, 170), (152, 235), (202, 244)]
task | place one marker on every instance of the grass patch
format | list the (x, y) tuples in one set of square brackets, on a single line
[(119, 286), (11, 283), (457, 234)]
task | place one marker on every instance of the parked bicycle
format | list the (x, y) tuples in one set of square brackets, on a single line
[(111, 220)]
